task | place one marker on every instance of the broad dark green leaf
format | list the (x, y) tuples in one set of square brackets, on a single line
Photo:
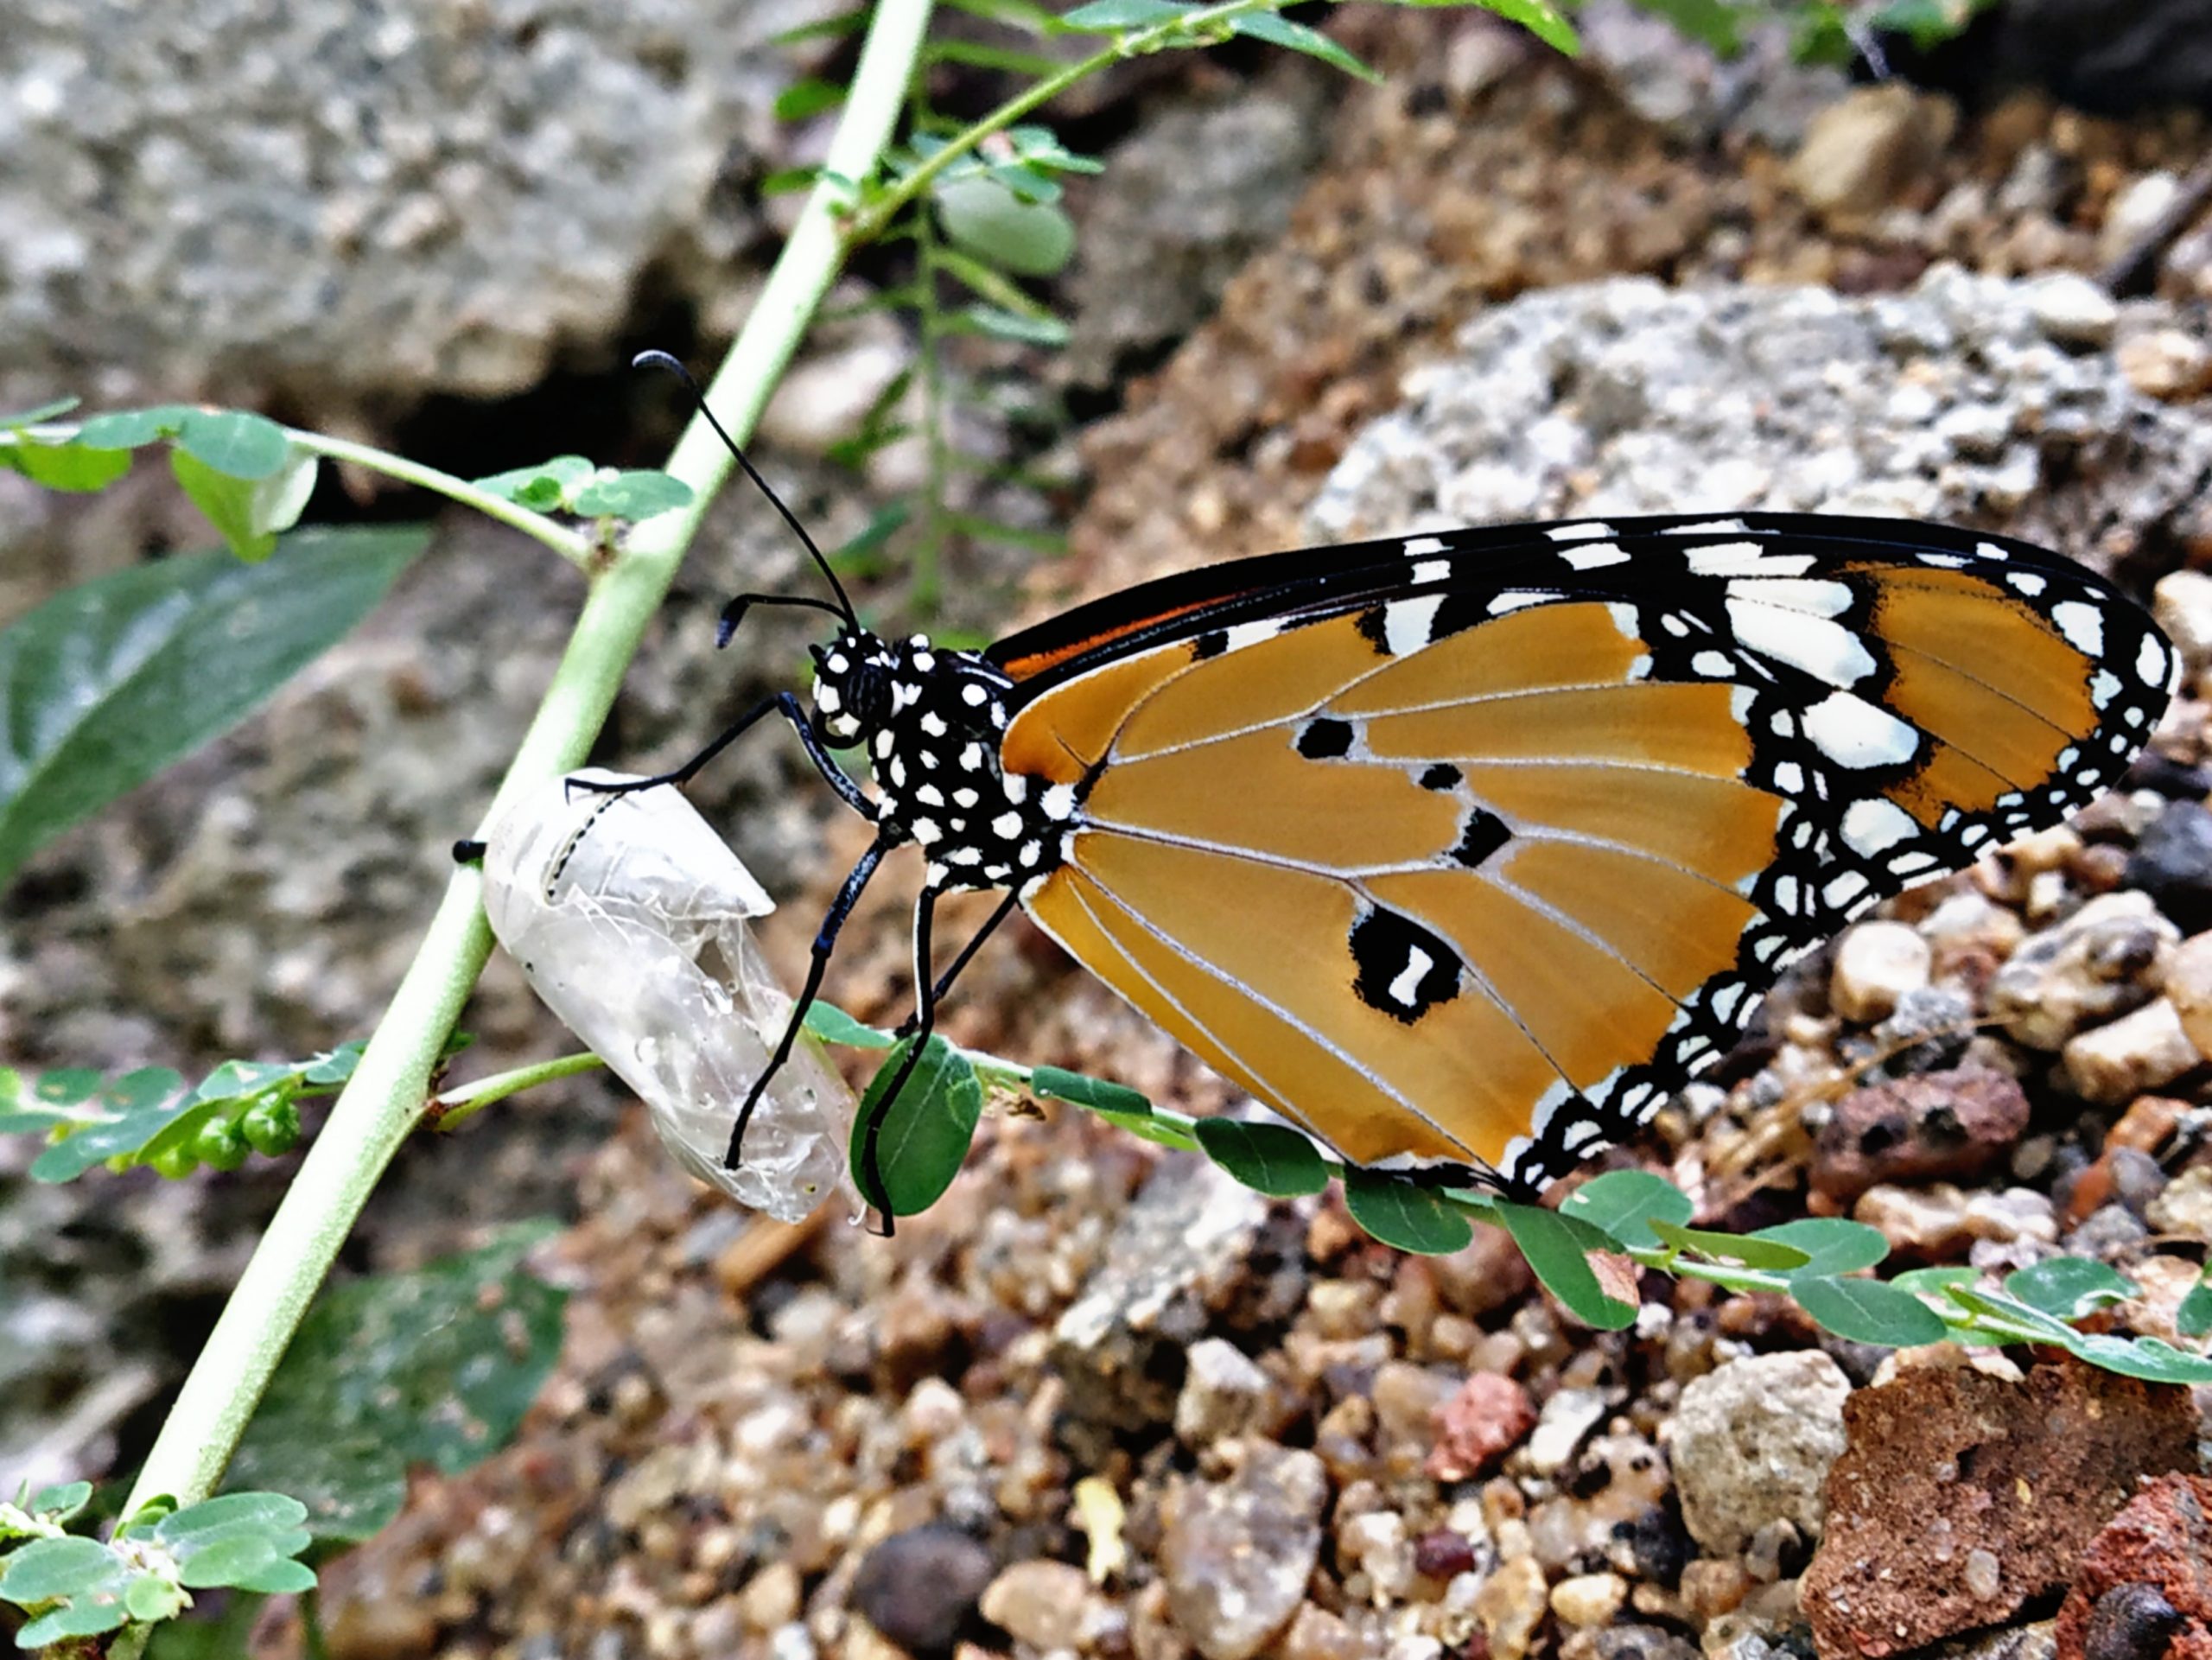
[(2194, 1317), (1003, 325), (2067, 1288), (832, 1024), (808, 97), (1833, 1245), (1028, 183), (65, 1087), (1039, 146), (1111, 16), (1749, 1251), (925, 1133), (53, 410), (1093, 1092), (636, 494), (234, 442), (1867, 1311), (1623, 1203), (76, 468), (1557, 1251), (1404, 1217), (106, 683), (69, 1566), (437, 1367), (2147, 1358), (1278, 30), (984, 217), (1991, 1304), (224, 502), (1271, 1159)]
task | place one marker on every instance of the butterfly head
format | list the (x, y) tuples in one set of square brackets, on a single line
[(853, 679)]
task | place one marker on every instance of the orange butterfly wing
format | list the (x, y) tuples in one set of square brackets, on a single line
[(1457, 872)]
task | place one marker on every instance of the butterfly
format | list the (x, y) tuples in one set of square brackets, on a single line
[(1463, 851)]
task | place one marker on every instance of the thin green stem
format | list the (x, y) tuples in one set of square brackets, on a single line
[(456, 1106), (388, 1094), (571, 544), (1187, 29), (937, 441)]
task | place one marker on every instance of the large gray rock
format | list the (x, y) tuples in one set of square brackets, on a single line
[(330, 202), (1967, 398)]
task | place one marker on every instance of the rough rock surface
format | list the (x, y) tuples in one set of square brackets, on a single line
[(424, 198), (1951, 402), (2144, 1586), (1235, 1555), (1752, 1443), (1962, 1496), (1932, 1125)]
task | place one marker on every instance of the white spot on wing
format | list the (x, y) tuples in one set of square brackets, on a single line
[(1407, 624), (1877, 822), (1250, 634), (2151, 662), (1814, 598), (1590, 530), (1418, 963), (1852, 732), (1593, 556), (1827, 650), (1432, 570), (1420, 547), (1519, 597), (2082, 624)]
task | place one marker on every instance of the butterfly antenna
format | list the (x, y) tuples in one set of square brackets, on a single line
[(663, 360)]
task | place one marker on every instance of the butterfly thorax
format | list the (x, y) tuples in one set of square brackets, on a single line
[(930, 721)]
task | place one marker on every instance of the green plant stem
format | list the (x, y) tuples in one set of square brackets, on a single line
[(457, 1105), (387, 1095), (572, 545), (871, 221)]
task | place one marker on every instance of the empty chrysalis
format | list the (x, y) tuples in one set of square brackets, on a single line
[(629, 917)]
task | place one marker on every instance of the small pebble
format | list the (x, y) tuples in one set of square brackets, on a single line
[(1443, 1554), (1235, 1555), (2181, 604), (1042, 1603), (1589, 1599), (2115, 1063), (2172, 864), (1512, 1605), (2166, 363), (1752, 1443), (920, 1588), (1478, 1426), (1223, 1393), (1566, 1420), (2185, 1207), (1877, 964), (2072, 310), (1983, 1574)]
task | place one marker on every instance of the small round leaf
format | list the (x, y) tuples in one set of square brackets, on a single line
[(1270, 1159), (1867, 1311), (1028, 238), (923, 1134), (1405, 1216)]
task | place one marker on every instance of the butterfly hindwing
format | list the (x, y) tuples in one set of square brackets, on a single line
[(1473, 848)]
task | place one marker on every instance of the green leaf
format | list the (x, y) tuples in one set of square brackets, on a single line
[(109, 681), (53, 410), (196, 1527), (1749, 1251), (1991, 1304), (832, 1024), (1111, 16), (2147, 1358), (1623, 1204), (224, 502), (235, 442), (76, 468), (1028, 238), (65, 1087), (835, 28), (1712, 23), (89, 1618), (1402, 1216), (1867, 1311), (1930, 24), (67, 1566), (1936, 1280), (1539, 19), (2194, 1317), (975, 54), (1271, 1159), (636, 494), (436, 1366), (544, 488), (1002, 325), (1278, 30), (227, 1562), (134, 429), (1833, 1244), (150, 1598), (60, 1503), (810, 96), (1095, 1093), (1557, 1251), (923, 1136), (786, 181), (285, 1577), (2067, 1288), (1025, 15), (881, 526)]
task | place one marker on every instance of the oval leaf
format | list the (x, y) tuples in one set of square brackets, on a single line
[(71, 1566), (2067, 1288), (1557, 1251), (2146, 1358), (1281, 31), (228, 1561), (108, 683), (197, 1526), (78, 469), (1623, 1204), (926, 1132), (236, 443), (1031, 239), (2194, 1317), (1093, 1092), (832, 1024), (87, 1619), (1866, 1310), (1833, 1245), (1270, 1159), (637, 494), (1747, 1249), (283, 1578), (1109, 16), (1404, 1217), (152, 1598), (133, 428)]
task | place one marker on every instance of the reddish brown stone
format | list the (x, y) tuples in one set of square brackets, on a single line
[(1961, 1496), (1928, 1126), (1478, 1426), (2144, 1590)]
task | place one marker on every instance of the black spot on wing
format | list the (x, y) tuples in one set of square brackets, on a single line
[(1441, 776), (1401, 967), (1485, 834), (1325, 739)]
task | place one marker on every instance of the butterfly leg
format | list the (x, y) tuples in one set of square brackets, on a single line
[(906, 1027), (825, 941), (783, 703)]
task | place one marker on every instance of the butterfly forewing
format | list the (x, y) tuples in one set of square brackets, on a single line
[(1472, 848)]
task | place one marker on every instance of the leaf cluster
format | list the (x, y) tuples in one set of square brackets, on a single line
[(72, 1586), (1611, 1227), (573, 485)]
